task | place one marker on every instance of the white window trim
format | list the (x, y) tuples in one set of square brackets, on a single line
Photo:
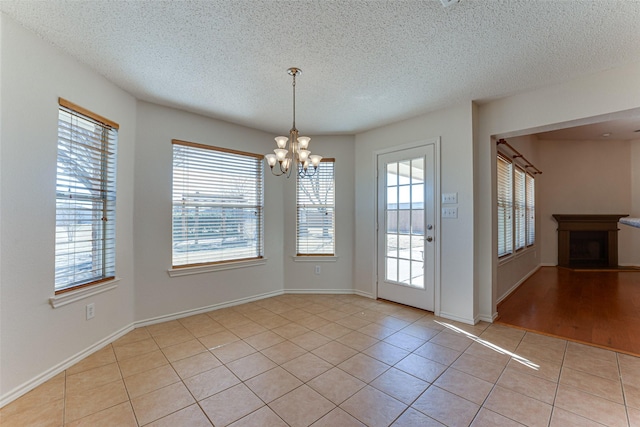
[(209, 265), (65, 298), (226, 265), (315, 258)]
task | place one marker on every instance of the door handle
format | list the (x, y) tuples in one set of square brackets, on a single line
[(429, 239)]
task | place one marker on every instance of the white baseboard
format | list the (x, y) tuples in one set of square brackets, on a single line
[(364, 294), (320, 291), (55, 370), (518, 283), (487, 318), (200, 310), (457, 318)]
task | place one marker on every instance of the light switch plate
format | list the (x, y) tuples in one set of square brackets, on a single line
[(449, 212), (450, 198)]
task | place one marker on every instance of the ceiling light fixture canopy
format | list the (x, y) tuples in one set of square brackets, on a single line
[(296, 154)]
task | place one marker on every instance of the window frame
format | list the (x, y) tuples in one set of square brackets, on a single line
[(218, 154), (519, 203), (331, 206), (100, 149), (504, 187)]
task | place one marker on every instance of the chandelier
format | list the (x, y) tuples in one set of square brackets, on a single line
[(296, 154)]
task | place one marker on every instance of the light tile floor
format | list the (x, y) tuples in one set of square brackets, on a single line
[(335, 360)]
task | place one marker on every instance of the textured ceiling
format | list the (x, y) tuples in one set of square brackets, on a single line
[(365, 63)]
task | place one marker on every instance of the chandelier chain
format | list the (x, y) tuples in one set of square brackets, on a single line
[(294, 100)]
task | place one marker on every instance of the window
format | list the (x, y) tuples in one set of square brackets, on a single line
[(505, 191), (217, 205), (519, 207), (85, 198), (531, 210), (315, 225), (516, 207)]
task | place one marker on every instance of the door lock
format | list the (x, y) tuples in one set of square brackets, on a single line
[(429, 239)]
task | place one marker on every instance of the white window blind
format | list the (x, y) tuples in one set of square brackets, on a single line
[(519, 197), (505, 188), (315, 225), (85, 198), (217, 205), (531, 210)]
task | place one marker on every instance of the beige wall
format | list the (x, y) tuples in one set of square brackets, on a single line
[(586, 177)]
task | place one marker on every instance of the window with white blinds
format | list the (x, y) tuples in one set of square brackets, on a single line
[(85, 198), (217, 205), (519, 191), (315, 225), (505, 198), (516, 207), (531, 210)]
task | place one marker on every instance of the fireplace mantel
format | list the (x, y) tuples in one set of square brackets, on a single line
[(579, 224)]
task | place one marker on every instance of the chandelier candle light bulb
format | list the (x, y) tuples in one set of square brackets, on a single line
[(296, 155)]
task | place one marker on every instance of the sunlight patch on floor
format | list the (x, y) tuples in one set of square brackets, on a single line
[(490, 345)]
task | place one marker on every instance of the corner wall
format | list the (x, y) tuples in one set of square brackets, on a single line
[(157, 294), (336, 275), (36, 339), (454, 126)]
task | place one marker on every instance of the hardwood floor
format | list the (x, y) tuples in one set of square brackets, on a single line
[(599, 308)]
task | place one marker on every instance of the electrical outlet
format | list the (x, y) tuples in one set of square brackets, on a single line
[(317, 269), (450, 198), (449, 212), (91, 310)]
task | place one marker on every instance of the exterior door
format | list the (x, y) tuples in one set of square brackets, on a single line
[(406, 227)]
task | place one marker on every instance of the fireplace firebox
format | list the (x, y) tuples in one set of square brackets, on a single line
[(588, 241)]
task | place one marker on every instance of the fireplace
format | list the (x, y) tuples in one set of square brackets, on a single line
[(588, 241)]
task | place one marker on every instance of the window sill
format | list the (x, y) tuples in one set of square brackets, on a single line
[(186, 271), (313, 258), (73, 296)]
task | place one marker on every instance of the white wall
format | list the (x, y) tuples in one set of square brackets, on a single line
[(157, 294), (455, 128), (585, 177), (512, 270), (336, 275), (594, 95), (35, 337)]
